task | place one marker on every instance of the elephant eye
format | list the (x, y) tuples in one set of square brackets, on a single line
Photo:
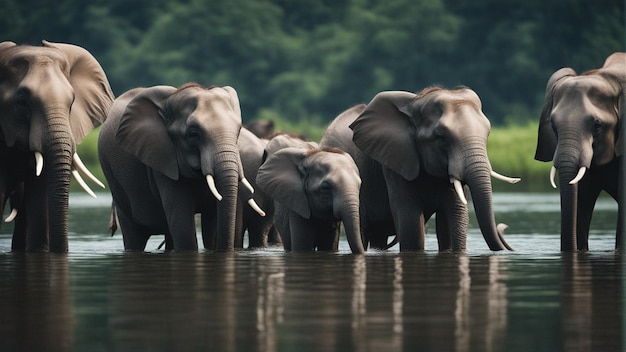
[(597, 126), (192, 134)]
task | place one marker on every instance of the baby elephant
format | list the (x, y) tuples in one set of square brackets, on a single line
[(314, 190)]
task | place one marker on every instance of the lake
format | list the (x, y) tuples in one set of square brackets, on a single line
[(99, 298)]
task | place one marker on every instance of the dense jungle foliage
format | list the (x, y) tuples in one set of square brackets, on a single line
[(301, 62), (307, 60)]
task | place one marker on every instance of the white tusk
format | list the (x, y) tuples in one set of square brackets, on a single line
[(255, 207), (11, 216), (247, 184), (552, 175), (211, 182), (458, 187), (579, 176), (82, 168), (512, 180), (38, 163), (82, 183)]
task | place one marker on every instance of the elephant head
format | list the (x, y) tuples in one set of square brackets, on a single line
[(579, 130), (190, 132), (437, 132), (315, 183), (50, 98)]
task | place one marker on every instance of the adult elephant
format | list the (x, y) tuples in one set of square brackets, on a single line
[(159, 149), (415, 152), (579, 131), (315, 191), (51, 96), (259, 227)]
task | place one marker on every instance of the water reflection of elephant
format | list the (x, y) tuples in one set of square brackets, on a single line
[(437, 303), (591, 303), (35, 302)]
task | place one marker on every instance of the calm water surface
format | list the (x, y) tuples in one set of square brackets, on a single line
[(98, 298)]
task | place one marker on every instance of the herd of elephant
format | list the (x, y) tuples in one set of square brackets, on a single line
[(381, 169)]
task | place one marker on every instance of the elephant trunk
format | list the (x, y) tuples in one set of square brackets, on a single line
[(58, 161), (568, 159), (478, 178), (350, 217), (227, 179)]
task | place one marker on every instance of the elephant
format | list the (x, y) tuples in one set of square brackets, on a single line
[(169, 153), (415, 152), (579, 131), (261, 231), (51, 96), (261, 128), (315, 190)]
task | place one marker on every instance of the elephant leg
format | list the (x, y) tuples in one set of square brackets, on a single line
[(327, 237), (36, 204), (303, 233), (183, 229), (456, 217), (444, 239), (281, 222), (240, 226), (588, 192), (620, 225), (273, 237), (258, 232), (135, 236), (407, 211), (209, 230)]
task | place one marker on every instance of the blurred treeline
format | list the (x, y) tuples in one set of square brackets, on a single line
[(304, 61)]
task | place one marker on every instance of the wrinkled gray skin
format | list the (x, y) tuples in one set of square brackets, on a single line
[(156, 148), (579, 128), (260, 228), (315, 191), (51, 96), (408, 148)]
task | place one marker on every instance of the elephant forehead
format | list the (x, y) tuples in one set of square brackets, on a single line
[(592, 87), (34, 54)]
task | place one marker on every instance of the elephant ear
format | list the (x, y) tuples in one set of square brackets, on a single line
[(93, 95), (546, 140), (614, 69), (6, 44), (384, 132), (282, 178), (142, 131)]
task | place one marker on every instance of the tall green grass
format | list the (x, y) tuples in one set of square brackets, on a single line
[(511, 150)]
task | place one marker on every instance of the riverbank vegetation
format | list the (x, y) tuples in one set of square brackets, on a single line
[(301, 62)]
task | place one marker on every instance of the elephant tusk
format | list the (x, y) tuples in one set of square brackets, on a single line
[(579, 176), (211, 182), (11, 216), (82, 168), (552, 175), (247, 184), (255, 207), (82, 184), (38, 163), (458, 187), (512, 180)]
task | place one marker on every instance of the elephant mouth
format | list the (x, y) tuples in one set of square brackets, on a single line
[(458, 185), (579, 176)]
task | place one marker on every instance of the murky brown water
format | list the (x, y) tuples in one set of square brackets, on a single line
[(98, 298)]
